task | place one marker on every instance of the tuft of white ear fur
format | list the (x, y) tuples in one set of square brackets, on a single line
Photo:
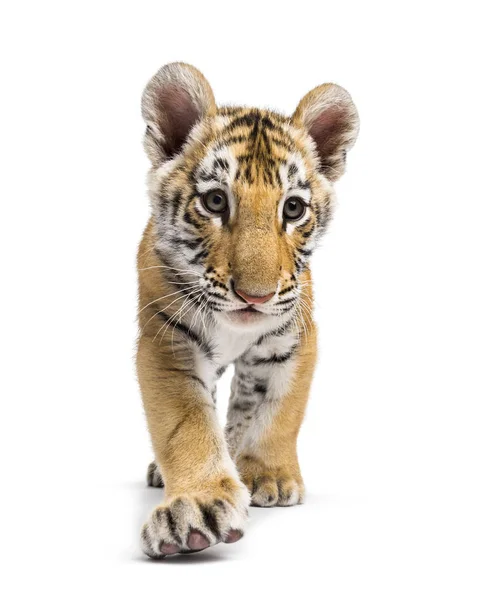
[(175, 99), (330, 117)]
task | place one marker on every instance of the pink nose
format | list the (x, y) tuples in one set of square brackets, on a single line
[(254, 299)]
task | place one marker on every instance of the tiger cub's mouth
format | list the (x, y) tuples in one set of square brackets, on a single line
[(249, 308), (247, 314)]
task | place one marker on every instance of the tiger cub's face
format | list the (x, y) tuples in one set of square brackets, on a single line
[(240, 196)]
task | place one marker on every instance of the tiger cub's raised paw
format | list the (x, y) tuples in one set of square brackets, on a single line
[(194, 522)]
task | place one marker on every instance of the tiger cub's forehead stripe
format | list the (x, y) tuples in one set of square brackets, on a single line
[(259, 126), (293, 173), (259, 140), (217, 168)]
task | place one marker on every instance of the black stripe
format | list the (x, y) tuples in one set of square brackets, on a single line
[(304, 185), (249, 120), (145, 537), (244, 389), (275, 358), (307, 234), (318, 214), (221, 163), (182, 282), (214, 306), (231, 140), (171, 522), (187, 219), (199, 381), (220, 371), (285, 291), (176, 203), (192, 335), (256, 120), (244, 406), (192, 244), (286, 301), (216, 283), (284, 144), (149, 474), (176, 429), (292, 170), (210, 520), (260, 388), (255, 485), (198, 256), (178, 283), (216, 295), (282, 330), (228, 110)]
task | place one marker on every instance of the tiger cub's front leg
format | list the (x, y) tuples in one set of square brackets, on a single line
[(205, 501), (268, 400)]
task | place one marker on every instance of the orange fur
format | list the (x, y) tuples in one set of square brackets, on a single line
[(192, 262)]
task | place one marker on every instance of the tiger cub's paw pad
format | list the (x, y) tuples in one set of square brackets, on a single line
[(194, 522), (153, 476)]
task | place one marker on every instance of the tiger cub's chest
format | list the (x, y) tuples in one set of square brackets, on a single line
[(262, 348)]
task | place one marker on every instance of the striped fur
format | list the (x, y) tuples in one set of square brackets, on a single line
[(193, 323)]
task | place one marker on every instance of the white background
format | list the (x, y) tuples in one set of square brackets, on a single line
[(398, 447)]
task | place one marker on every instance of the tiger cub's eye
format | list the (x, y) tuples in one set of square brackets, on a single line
[(215, 201), (293, 209)]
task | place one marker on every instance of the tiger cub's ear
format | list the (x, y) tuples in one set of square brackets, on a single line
[(174, 100), (331, 119)]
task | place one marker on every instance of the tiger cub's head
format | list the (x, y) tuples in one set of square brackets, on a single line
[(240, 196)]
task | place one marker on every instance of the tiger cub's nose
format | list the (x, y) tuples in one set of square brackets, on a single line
[(254, 299)]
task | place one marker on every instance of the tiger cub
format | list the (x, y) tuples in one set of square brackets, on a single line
[(239, 199)]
